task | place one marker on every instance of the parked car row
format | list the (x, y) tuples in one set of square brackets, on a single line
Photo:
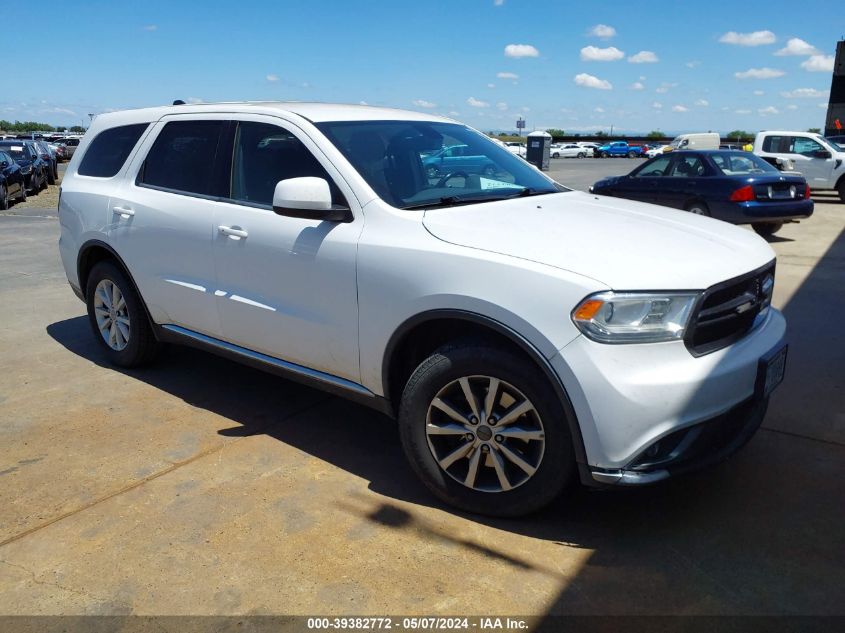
[(25, 167)]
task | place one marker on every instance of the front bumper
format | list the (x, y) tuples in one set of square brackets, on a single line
[(691, 448), (629, 397)]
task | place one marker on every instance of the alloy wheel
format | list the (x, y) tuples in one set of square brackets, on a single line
[(112, 315), (485, 434)]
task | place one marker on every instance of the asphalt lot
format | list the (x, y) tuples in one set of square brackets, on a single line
[(199, 486)]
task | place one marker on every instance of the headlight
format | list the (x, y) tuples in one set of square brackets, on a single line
[(634, 317)]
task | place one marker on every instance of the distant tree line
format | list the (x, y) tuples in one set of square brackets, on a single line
[(34, 126)]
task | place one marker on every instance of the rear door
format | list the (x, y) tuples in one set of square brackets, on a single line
[(161, 220)]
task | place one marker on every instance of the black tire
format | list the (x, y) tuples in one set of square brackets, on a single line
[(141, 346), (4, 198), (22, 194), (841, 190), (43, 181), (604, 154), (698, 208), (632, 154), (51, 178), (581, 154), (767, 229), (464, 359), (556, 155)]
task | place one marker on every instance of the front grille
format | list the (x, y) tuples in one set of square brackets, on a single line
[(726, 312)]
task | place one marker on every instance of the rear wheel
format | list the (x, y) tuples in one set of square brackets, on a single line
[(767, 229), (604, 154), (841, 190), (698, 208), (118, 318), (4, 198), (632, 154), (581, 154), (44, 179), (51, 178), (484, 431), (22, 194)]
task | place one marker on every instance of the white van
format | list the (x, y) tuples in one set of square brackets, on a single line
[(701, 140)]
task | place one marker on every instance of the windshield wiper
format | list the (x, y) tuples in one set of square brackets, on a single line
[(452, 201)]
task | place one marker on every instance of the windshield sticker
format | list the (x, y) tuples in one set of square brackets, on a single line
[(487, 183)]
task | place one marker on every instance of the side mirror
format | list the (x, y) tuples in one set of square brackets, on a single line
[(821, 153), (310, 198)]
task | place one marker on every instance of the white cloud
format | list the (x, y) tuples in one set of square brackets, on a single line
[(792, 106), (151, 27), (272, 77), (491, 85), (599, 109), (657, 105), (596, 54), (521, 50), (637, 85), (513, 76), (743, 111), (643, 57), (679, 108), (589, 81), (422, 103), (476, 103), (454, 113), (664, 87), (363, 103), (498, 3), (502, 106), (760, 73), (822, 105), (524, 109), (757, 38), (693, 64), (759, 93), (818, 64), (602, 31), (768, 110), (58, 110), (703, 103), (805, 93), (797, 46), (195, 100)]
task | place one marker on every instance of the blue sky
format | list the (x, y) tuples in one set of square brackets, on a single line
[(649, 65)]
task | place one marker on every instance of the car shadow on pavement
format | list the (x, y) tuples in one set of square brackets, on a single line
[(360, 440)]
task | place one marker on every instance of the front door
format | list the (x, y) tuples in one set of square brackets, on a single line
[(286, 287), (815, 169)]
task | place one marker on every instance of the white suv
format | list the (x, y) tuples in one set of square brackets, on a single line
[(523, 334)]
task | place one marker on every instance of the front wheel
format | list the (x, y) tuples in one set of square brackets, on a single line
[(841, 190), (767, 229), (604, 154), (484, 431), (632, 154), (581, 154), (4, 198), (118, 318)]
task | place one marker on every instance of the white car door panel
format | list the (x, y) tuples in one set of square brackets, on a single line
[(165, 237), (286, 286)]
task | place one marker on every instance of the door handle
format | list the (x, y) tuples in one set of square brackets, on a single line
[(123, 211), (232, 232)]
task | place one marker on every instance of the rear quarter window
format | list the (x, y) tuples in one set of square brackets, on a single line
[(109, 150)]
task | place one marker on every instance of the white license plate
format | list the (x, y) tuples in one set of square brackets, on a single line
[(774, 370)]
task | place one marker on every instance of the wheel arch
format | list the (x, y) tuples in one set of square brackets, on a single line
[(421, 334), (93, 252)]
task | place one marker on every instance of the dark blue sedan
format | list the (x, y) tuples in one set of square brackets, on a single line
[(736, 187), (12, 182)]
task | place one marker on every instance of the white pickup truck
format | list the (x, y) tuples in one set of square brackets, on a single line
[(819, 160)]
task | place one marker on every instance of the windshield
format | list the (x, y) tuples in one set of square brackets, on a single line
[(17, 151), (419, 164), (833, 144), (734, 163)]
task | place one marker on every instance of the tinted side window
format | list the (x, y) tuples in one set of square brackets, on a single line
[(687, 167), (109, 150), (806, 146), (263, 155), (182, 157), (778, 144)]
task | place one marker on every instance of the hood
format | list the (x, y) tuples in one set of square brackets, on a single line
[(623, 244)]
